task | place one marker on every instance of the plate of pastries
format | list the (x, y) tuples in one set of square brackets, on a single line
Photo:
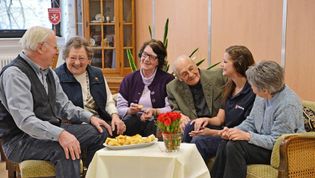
[(126, 142)]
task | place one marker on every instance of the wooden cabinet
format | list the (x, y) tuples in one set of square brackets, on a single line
[(110, 27)]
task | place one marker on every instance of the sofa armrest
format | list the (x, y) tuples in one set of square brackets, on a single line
[(310, 104), (297, 155)]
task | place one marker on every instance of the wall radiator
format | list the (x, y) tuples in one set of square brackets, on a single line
[(4, 60)]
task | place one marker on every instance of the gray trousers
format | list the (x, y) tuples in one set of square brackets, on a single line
[(23, 147)]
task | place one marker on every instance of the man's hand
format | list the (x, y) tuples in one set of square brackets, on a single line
[(118, 123), (97, 122), (70, 145), (199, 123), (183, 122)]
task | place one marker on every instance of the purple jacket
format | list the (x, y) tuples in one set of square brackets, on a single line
[(132, 87)]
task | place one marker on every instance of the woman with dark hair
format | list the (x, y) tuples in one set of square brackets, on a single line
[(238, 100), (142, 94)]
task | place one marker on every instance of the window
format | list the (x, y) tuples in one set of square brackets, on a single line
[(18, 15)]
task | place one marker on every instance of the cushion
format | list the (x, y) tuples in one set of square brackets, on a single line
[(261, 171), (37, 168), (309, 119)]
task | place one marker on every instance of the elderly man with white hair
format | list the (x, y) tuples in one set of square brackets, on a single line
[(195, 93), (32, 103)]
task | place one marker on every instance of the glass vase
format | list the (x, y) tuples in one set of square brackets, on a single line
[(172, 141)]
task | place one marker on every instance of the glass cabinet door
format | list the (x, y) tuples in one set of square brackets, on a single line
[(128, 26), (102, 33), (108, 35), (109, 26)]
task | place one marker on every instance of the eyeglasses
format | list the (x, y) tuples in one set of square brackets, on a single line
[(144, 55), (80, 58)]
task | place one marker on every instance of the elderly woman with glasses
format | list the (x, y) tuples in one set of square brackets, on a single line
[(85, 85), (142, 94)]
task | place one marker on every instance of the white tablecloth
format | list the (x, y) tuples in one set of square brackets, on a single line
[(148, 162)]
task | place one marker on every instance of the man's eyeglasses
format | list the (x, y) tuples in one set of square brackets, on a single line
[(144, 55)]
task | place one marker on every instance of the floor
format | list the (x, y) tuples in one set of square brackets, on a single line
[(3, 172)]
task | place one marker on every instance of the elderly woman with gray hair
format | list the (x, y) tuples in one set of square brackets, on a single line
[(277, 110)]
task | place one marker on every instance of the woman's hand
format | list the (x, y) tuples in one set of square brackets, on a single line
[(97, 122), (202, 131), (134, 108), (237, 134), (200, 123), (224, 133), (148, 114)]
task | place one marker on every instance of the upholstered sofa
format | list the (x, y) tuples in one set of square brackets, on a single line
[(293, 156)]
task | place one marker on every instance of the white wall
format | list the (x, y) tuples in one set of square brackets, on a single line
[(9, 46)]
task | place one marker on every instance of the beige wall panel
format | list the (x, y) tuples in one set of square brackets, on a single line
[(300, 51), (143, 20), (187, 26), (253, 23)]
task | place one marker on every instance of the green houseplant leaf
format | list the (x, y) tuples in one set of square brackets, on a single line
[(193, 52), (165, 40), (166, 66), (212, 66), (150, 31), (200, 62), (131, 60)]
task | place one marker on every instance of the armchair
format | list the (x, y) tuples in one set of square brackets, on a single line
[(292, 156)]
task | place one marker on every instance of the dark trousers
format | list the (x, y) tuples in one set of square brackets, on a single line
[(233, 157), (23, 147), (135, 126), (206, 145)]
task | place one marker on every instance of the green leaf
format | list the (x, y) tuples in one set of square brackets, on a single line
[(213, 65), (165, 32), (167, 67), (131, 60), (193, 52), (200, 62), (150, 31), (166, 43)]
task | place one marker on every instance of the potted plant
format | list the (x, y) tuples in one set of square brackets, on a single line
[(132, 62), (169, 125)]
